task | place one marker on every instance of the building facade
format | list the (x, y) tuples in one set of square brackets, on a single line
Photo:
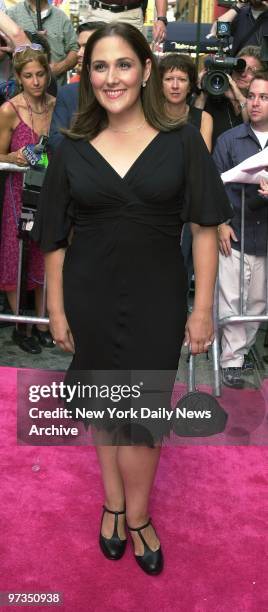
[(187, 10)]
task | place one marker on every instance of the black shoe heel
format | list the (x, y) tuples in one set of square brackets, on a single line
[(151, 561), (44, 337), (28, 344), (113, 548)]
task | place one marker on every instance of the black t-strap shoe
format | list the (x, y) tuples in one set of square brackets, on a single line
[(113, 548), (151, 561)]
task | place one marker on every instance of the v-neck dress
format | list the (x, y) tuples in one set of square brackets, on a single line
[(124, 280)]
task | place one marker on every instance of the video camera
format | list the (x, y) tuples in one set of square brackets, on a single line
[(215, 82), (32, 183)]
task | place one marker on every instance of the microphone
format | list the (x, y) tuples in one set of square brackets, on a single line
[(35, 154)]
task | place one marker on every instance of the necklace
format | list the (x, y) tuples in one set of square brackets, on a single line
[(38, 112), (31, 110), (138, 127)]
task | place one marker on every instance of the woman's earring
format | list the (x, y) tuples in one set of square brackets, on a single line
[(144, 83)]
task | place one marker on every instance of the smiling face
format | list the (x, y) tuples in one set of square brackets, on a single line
[(243, 79), (116, 74), (257, 104), (33, 78), (176, 86)]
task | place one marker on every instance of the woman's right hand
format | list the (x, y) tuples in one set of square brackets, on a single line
[(17, 157), (61, 332)]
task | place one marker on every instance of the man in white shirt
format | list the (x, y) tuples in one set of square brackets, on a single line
[(233, 147)]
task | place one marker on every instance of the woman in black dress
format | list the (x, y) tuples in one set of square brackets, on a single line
[(124, 180)]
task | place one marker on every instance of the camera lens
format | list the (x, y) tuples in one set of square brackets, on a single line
[(216, 83)]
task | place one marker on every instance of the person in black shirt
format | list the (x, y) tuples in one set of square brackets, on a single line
[(179, 80), (255, 13)]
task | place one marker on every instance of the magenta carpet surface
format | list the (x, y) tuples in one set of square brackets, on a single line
[(209, 505)]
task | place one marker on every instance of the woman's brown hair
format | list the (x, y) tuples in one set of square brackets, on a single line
[(91, 118), (20, 59), (179, 61)]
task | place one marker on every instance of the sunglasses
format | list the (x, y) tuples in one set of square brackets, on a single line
[(34, 47)]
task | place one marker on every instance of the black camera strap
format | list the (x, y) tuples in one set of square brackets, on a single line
[(254, 29)]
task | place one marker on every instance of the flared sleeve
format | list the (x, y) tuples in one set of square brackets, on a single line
[(205, 200), (53, 219)]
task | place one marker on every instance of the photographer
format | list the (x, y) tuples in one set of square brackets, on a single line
[(229, 109), (249, 25), (228, 16)]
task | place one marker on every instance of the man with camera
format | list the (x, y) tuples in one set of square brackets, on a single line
[(233, 147)]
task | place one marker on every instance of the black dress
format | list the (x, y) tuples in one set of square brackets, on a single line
[(124, 280), (223, 115)]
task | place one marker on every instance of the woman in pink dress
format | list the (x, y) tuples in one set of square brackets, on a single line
[(22, 121)]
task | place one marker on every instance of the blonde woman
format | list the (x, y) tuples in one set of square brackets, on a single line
[(22, 121)]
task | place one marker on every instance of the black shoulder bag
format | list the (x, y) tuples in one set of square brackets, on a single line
[(198, 414)]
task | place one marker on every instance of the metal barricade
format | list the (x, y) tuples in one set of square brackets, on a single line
[(240, 317)]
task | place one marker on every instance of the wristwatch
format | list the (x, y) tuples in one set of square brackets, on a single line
[(164, 19)]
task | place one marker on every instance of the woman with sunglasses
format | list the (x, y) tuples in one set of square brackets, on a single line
[(22, 121)]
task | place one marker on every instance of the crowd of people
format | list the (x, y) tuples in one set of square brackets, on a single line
[(130, 177)]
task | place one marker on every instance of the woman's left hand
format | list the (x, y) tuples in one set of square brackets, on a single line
[(199, 332)]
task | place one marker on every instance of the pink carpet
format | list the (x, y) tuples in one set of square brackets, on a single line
[(209, 505)]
